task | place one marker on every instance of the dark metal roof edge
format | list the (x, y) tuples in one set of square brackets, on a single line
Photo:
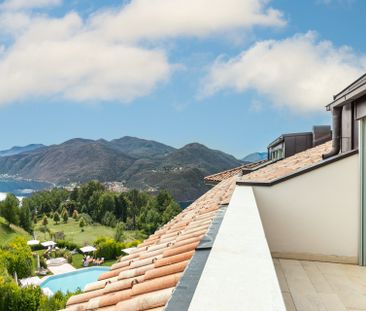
[(348, 86), (186, 287), (299, 172), (344, 96), (282, 137)]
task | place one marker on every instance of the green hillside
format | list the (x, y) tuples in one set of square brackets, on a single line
[(6, 233)]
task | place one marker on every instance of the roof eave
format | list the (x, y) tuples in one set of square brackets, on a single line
[(348, 97), (298, 172)]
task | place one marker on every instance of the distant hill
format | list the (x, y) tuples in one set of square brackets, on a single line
[(254, 157), (139, 163), (17, 150), (141, 148)]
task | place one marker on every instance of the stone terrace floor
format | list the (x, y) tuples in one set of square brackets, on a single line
[(312, 285)]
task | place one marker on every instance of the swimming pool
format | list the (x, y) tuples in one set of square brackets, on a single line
[(71, 281)]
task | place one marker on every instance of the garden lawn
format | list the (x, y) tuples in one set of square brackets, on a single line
[(7, 234), (89, 234), (77, 261)]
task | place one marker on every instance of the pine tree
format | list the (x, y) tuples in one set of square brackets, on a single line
[(75, 214), (45, 220), (65, 215), (56, 218)]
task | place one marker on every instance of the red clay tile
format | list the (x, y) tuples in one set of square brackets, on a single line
[(166, 270), (84, 297), (139, 281), (135, 272), (146, 301), (123, 284), (109, 299), (182, 249), (174, 259), (156, 284)]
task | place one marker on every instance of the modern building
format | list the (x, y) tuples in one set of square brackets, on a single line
[(288, 235), (287, 145)]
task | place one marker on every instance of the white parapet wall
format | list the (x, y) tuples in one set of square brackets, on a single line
[(315, 215), (239, 272)]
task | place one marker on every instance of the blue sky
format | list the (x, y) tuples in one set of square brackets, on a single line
[(231, 74)]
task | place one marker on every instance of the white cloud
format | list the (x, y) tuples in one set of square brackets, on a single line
[(14, 5), (300, 72), (154, 19), (55, 58), (101, 58)]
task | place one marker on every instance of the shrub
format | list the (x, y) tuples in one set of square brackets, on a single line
[(68, 244), (19, 298), (108, 248), (87, 219), (17, 257), (133, 243), (57, 301)]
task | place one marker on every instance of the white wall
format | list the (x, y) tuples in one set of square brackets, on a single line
[(239, 272), (314, 215)]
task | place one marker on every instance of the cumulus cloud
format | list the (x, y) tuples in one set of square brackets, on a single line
[(154, 19), (55, 58), (102, 57), (14, 5), (301, 72)]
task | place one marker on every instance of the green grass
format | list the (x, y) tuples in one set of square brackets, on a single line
[(74, 233), (8, 233)]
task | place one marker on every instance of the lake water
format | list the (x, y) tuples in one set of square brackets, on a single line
[(20, 188)]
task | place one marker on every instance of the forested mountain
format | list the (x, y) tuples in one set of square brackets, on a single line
[(139, 163)]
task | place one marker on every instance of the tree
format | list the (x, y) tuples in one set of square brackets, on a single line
[(56, 218), (75, 214), (82, 223), (109, 219), (65, 215), (171, 211), (106, 203), (119, 234), (10, 209), (122, 204), (45, 220), (25, 218), (137, 201)]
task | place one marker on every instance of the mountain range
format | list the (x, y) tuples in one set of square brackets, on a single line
[(138, 163), (255, 156), (17, 150)]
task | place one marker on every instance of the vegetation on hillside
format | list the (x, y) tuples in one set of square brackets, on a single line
[(141, 164), (92, 203), (16, 257)]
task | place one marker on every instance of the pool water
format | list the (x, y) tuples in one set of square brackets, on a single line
[(71, 281)]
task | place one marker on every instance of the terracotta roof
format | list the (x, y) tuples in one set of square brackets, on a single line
[(146, 278), (288, 165), (216, 178)]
